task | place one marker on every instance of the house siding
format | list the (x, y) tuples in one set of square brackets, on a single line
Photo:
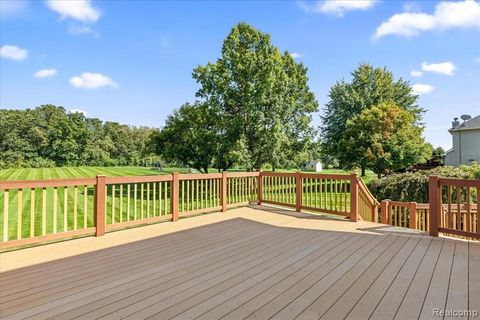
[(466, 148)]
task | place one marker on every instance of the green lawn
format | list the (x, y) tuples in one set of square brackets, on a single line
[(79, 172)]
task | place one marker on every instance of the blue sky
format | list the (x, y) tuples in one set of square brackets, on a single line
[(131, 61)]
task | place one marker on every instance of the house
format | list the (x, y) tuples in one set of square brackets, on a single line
[(465, 141), (313, 165)]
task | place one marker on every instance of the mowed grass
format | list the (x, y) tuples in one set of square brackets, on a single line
[(80, 172)]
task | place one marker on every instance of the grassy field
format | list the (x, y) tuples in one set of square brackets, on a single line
[(79, 172), (74, 208), (83, 172)]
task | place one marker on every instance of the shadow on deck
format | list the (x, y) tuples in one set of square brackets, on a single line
[(255, 262)]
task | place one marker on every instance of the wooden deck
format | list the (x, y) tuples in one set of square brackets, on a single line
[(255, 263)]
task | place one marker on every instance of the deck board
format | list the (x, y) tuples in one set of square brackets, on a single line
[(248, 263)]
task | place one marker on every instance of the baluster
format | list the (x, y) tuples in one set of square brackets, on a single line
[(6, 202), (65, 209), (113, 205), (19, 214), (120, 209), (148, 199), (128, 202), (55, 204), (44, 211)]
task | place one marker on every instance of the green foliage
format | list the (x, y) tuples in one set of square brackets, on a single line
[(49, 136), (384, 138), (369, 87), (414, 186), (261, 101), (189, 136)]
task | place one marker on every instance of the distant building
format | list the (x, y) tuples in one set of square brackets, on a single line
[(315, 166), (466, 142)]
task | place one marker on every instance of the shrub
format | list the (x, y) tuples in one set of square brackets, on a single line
[(413, 186)]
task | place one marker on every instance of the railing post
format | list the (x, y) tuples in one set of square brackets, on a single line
[(174, 196), (299, 189), (99, 206), (260, 186), (434, 203), (375, 213), (385, 212), (224, 191), (353, 197), (413, 215)]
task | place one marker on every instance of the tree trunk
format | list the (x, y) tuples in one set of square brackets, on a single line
[(363, 171)]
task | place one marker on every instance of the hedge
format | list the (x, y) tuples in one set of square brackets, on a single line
[(413, 186)]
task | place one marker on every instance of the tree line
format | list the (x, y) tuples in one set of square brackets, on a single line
[(253, 109), (49, 136)]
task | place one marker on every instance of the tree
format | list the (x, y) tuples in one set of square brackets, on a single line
[(369, 87), (189, 137), (385, 137), (260, 96), (48, 136)]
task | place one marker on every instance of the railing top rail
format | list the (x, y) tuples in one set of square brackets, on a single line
[(331, 176), (199, 176), (364, 188), (50, 183), (399, 204), (242, 174), (138, 179), (459, 182), (279, 174)]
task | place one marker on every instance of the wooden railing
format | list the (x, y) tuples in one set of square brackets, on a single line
[(367, 204), (399, 214), (45, 210), (454, 207), (338, 194)]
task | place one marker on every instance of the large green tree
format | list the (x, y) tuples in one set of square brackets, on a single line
[(385, 137), (189, 137), (260, 96), (369, 87)]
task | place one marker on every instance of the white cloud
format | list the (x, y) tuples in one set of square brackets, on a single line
[(90, 80), (13, 52), (337, 7), (422, 88), (415, 73), (85, 113), (296, 55), (80, 10), (463, 14), (446, 67), (45, 73)]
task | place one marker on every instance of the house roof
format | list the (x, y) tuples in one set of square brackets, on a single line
[(471, 124)]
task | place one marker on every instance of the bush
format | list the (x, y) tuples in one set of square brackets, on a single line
[(414, 186)]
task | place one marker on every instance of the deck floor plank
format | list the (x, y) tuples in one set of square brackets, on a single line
[(411, 305), (247, 263), (474, 276), (437, 292), (457, 298)]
